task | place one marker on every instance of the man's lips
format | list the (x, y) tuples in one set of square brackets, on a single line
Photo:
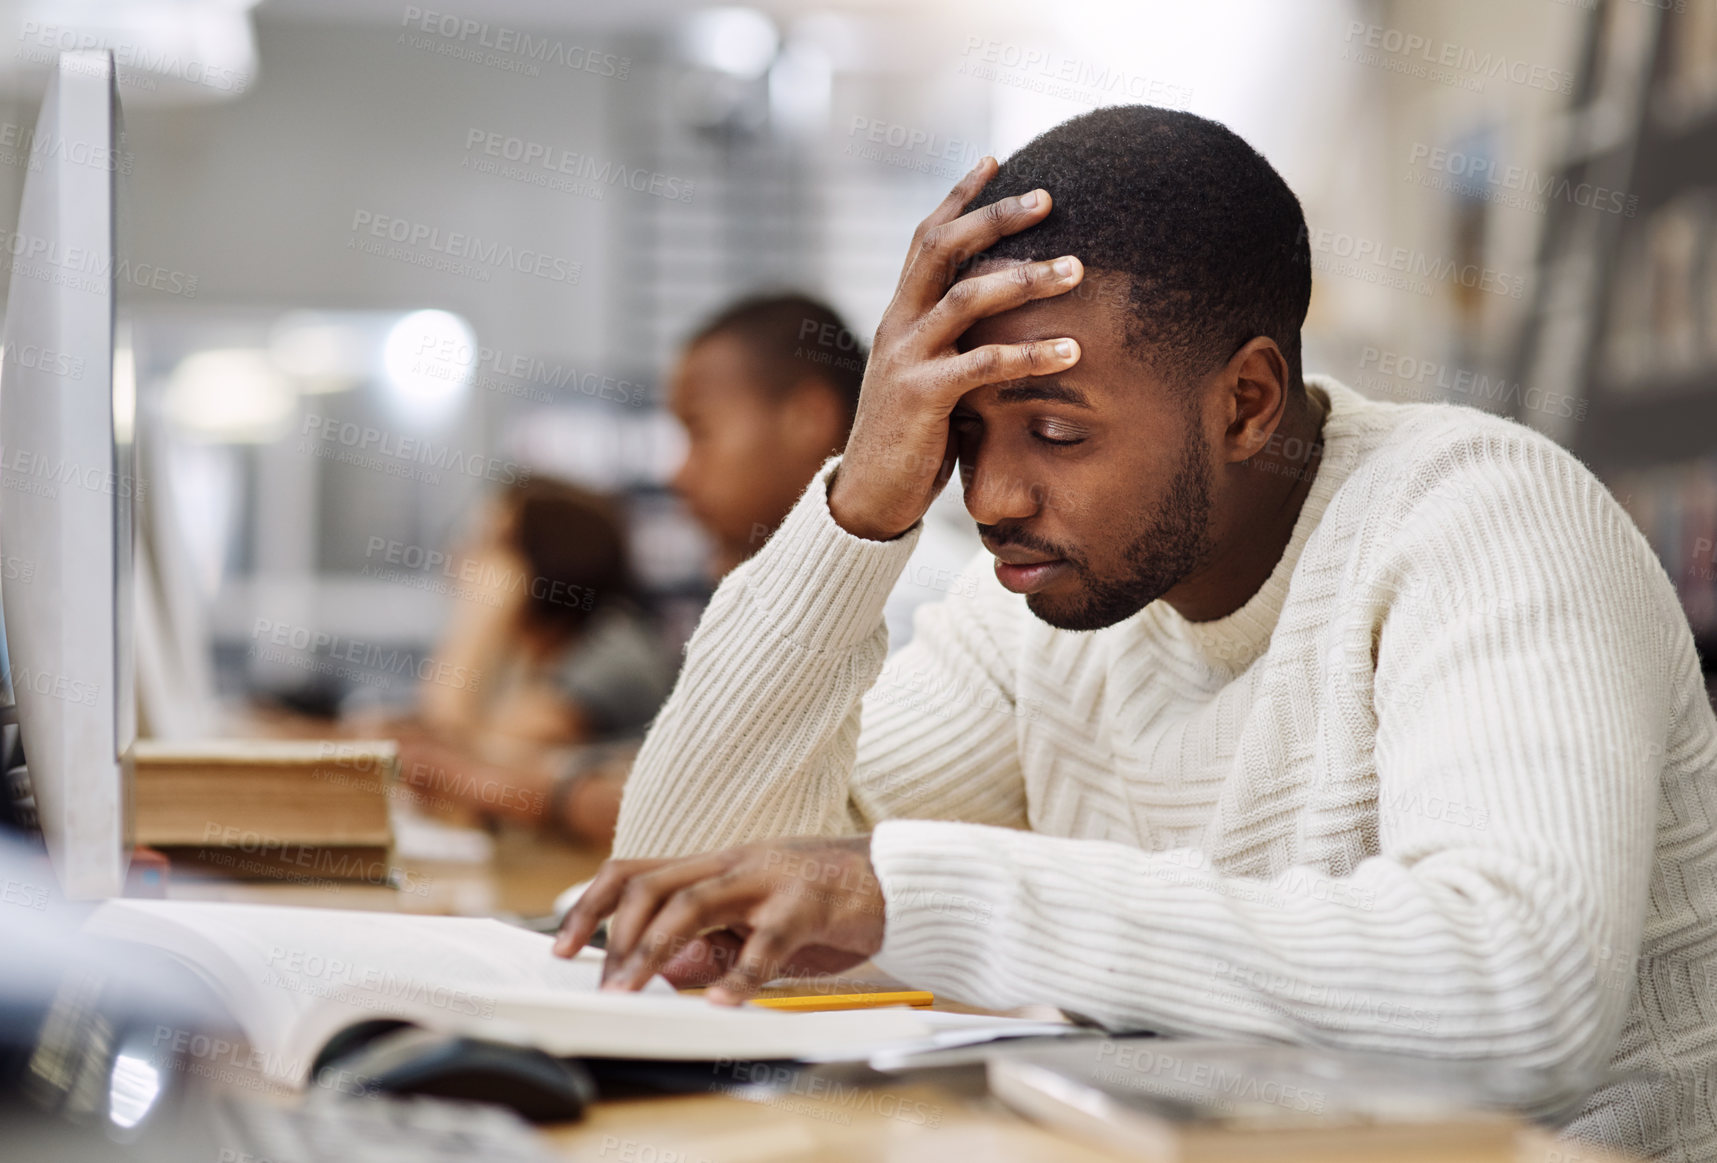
[(1023, 571)]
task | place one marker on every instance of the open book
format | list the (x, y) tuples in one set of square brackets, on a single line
[(293, 978)]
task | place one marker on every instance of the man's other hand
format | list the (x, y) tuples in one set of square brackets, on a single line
[(899, 455), (737, 918)]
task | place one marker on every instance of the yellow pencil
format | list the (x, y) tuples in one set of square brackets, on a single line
[(811, 1003)]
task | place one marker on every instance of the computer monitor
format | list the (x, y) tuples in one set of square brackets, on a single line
[(67, 487)]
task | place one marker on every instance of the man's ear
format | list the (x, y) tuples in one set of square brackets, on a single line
[(1255, 384), (813, 420)]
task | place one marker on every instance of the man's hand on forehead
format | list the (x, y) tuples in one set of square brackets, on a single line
[(901, 452)]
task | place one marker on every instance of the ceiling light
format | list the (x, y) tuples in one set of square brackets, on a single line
[(232, 395), (429, 358), (740, 42)]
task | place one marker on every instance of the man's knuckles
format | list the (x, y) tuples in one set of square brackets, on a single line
[(634, 892), (938, 241)]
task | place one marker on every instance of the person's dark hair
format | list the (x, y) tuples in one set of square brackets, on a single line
[(793, 337), (1212, 239), (573, 543)]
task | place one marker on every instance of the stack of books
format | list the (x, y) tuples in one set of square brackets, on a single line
[(268, 809)]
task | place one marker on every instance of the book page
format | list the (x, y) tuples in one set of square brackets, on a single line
[(295, 977), (274, 966)]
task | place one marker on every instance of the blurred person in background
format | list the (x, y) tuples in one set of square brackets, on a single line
[(566, 666), (554, 626), (766, 391)]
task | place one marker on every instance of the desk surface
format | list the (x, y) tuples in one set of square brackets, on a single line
[(920, 1123)]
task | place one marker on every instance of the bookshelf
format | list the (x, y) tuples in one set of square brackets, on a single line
[(1625, 317)]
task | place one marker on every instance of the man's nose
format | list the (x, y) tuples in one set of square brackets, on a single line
[(995, 493)]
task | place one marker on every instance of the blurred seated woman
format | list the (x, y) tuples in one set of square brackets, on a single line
[(565, 671)]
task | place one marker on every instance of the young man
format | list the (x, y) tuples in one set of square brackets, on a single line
[(765, 391), (1288, 715)]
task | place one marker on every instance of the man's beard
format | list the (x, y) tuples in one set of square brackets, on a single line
[(1176, 544)]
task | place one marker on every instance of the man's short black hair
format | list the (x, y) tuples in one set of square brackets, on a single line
[(1212, 238), (793, 337)]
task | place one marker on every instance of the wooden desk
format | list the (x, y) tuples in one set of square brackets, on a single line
[(918, 1123), (904, 1123), (805, 1129)]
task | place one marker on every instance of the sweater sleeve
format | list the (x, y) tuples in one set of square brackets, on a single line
[(761, 738), (1516, 673)]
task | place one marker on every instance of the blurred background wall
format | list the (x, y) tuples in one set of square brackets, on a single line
[(383, 258)]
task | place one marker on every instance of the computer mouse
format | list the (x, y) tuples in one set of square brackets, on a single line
[(412, 1061)]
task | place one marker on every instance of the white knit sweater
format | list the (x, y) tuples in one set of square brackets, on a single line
[(1446, 784)]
